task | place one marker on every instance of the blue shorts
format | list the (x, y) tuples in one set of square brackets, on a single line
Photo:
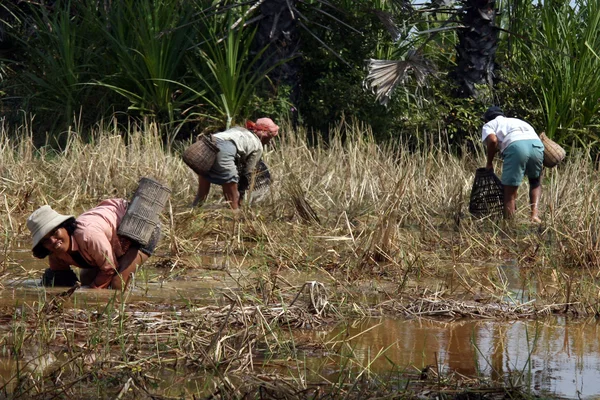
[(224, 169), (523, 157)]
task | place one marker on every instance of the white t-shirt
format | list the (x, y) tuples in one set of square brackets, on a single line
[(508, 130)]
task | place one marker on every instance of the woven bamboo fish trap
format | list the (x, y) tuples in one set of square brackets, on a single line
[(143, 212), (553, 153), (201, 155), (261, 183), (487, 195)]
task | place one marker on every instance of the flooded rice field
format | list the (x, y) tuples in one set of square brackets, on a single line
[(553, 356)]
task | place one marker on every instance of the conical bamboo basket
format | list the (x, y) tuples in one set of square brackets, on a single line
[(142, 215)]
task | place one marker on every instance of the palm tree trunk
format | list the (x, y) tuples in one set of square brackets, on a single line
[(477, 45), (278, 28)]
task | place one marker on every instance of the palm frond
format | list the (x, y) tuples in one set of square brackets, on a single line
[(385, 75), (405, 7)]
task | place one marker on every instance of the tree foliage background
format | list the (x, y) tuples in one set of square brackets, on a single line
[(205, 65)]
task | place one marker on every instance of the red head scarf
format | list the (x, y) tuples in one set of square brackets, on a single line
[(263, 124)]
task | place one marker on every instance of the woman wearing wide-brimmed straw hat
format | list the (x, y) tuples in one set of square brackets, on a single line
[(238, 145), (89, 242)]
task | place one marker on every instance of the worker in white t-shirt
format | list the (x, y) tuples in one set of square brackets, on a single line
[(522, 152)]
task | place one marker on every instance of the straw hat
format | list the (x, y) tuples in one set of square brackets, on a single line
[(43, 221)]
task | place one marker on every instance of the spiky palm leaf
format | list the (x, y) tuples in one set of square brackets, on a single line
[(389, 23)]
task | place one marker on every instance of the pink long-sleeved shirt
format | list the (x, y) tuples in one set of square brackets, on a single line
[(95, 238)]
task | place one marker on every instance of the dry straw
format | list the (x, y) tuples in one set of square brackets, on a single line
[(351, 209), (371, 208)]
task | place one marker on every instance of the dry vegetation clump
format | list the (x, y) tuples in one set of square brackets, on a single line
[(435, 306), (65, 350)]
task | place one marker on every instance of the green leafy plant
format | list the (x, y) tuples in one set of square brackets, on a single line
[(54, 62), (231, 73), (146, 43), (559, 61)]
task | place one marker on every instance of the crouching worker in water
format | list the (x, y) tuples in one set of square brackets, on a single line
[(523, 154), (89, 242), (241, 145)]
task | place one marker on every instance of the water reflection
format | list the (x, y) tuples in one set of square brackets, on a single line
[(555, 356), (519, 286), (203, 284)]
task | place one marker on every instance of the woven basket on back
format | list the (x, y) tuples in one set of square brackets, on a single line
[(142, 215), (553, 153), (261, 184), (487, 195), (201, 155)]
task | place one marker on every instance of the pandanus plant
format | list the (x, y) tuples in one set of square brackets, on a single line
[(250, 43), (560, 63)]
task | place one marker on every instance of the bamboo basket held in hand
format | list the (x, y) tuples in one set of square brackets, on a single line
[(201, 155), (553, 153), (257, 184), (487, 195)]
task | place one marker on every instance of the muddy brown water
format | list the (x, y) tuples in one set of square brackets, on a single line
[(556, 356)]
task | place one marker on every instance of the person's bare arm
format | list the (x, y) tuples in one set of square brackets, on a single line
[(492, 148), (57, 264)]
